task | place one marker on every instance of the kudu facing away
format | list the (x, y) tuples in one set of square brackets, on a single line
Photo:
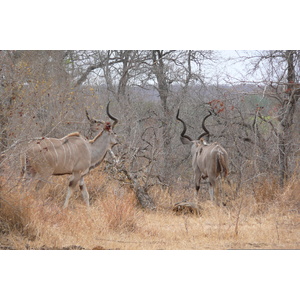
[(208, 160), (72, 154)]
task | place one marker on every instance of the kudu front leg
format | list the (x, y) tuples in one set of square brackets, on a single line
[(116, 160), (84, 191), (197, 183)]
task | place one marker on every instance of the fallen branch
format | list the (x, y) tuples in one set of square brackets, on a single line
[(130, 242)]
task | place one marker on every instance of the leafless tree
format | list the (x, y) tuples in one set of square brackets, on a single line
[(46, 93), (280, 83)]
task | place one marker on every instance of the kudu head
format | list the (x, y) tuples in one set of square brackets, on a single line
[(185, 139), (97, 125)]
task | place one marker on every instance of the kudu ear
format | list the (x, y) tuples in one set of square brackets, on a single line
[(87, 115), (92, 120), (185, 140)]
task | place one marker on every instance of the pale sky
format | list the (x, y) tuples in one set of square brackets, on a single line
[(227, 68)]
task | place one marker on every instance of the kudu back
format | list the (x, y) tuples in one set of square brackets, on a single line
[(209, 161), (71, 155)]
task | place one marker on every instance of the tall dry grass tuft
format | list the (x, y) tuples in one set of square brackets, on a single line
[(120, 211), (266, 193), (267, 217), (269, 195), (289, 199), (27, 213), (12, 217)]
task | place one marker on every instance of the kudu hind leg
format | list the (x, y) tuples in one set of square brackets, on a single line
[(27, 176), (222, 192), (212, 191), (41, 179), (33, 180), (72, 185)]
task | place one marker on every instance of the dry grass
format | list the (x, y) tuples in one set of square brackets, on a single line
[(267, 218)]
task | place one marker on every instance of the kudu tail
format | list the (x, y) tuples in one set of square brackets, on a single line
[(222, 164), (23, 165)]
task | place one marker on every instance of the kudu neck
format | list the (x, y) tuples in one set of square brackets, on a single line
[(99, 146)]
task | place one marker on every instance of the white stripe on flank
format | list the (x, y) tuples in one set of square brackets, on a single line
[(65, 154), (70, 153), (54, 151)]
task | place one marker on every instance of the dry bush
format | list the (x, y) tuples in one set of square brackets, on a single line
[(114, 220), (10, 218), (266, 193), (120, 211), (39, 221), (163, 198), (289, 199), (269, 195), (26, 213)]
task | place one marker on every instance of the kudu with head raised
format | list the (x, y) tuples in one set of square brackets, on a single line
[(73, 155), (95, 126), (209, 161)]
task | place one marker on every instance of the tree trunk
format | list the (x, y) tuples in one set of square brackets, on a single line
[(141, 191), (286, 119), (143, 197), (163, 90)]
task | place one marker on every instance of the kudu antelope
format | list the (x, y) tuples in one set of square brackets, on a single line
[(208, 160), (73, 155)]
